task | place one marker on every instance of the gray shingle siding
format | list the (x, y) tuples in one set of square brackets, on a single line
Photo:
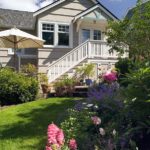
[(20, 19)]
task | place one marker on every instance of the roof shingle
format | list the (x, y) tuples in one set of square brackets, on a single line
[(19, 19)]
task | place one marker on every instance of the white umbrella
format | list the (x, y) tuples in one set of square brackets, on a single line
[(17, 39)]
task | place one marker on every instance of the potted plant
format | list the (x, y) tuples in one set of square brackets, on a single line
[(88, 72), (44, 83), (85, 72)]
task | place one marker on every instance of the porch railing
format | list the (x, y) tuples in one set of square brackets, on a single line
[(88, 49)]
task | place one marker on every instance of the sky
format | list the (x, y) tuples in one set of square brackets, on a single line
[(118, 7)]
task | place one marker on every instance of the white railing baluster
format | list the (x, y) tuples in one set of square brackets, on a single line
[(88, 49)]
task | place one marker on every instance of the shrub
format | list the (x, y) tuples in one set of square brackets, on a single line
[(29, 70), (43, 79), (65, 87), (76, 126), (137, 104), (16, 87), (123, 66)]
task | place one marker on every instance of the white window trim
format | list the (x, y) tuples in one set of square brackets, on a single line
[(56, 24), (10, 51)]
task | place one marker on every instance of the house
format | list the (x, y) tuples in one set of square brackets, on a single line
[(74, 34)]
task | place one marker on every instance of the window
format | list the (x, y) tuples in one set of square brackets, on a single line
[(48, 33), (97, 35), (63, 35), (56, 34), (10, 51)]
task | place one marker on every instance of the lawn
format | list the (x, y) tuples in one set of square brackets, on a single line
[(23, 127)]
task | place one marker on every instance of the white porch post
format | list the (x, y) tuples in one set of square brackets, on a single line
[(89, 49)]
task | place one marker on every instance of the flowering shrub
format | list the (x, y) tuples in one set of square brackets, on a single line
[(56, 139), (110, 76), (103, 91), (106, 121)]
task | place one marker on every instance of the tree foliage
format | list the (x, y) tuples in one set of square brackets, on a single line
[(133, 31)]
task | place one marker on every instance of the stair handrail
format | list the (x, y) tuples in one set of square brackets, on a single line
[(73, 50), (99, 41)]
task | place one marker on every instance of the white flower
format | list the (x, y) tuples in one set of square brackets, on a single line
[(89, 105), (84, 103), (114, 132), (134, 99), (96, 106), (102, 131)]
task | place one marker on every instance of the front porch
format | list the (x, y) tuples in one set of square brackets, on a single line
[(97, 52)]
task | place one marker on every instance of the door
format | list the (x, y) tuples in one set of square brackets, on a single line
[(85, 35), (91, 34)]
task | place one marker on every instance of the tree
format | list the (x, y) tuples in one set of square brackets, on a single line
[(134, 31)]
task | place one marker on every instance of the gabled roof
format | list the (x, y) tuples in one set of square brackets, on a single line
[(57, 2), (20, 19), (87, 11)]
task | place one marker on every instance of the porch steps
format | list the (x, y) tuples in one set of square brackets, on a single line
[(81, 91), (76, 57)]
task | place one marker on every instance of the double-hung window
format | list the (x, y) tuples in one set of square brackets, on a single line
[(63, 35), (48, 33), (56, 34)]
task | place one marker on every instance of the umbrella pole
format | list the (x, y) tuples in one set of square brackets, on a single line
[(14, 58), (15, 49)]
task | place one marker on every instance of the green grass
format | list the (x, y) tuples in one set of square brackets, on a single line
[(23, 127)]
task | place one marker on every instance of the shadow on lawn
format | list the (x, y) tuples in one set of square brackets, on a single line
[(35, 124)]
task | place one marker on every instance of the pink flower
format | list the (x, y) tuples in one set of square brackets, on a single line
[(48, 148), (110, 76), (60, 137), (55, 137), (73, 144), (52, 133), (96, 120)]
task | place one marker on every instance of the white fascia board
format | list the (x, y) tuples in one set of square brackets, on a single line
[(108, 13), (53, 5), (48, 7), (93, 8)]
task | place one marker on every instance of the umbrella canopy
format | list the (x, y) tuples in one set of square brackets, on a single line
[(17, 39)]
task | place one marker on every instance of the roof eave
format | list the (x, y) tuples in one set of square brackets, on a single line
[(47, 7), (93, 8), (53, 5)]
